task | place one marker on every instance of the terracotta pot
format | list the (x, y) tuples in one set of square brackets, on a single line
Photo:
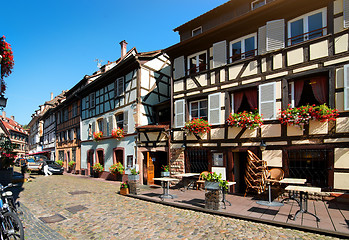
[(124, 191)]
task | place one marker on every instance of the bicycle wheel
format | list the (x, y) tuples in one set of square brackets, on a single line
[(13, 226)]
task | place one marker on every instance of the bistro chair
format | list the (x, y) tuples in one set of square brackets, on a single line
[(201, 181), (255, 174), (276, 174)]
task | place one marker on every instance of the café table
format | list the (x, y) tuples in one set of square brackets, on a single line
[(270, 203), (224, 191), (294, 181), (165, 183), (189, 179), (303, 198)]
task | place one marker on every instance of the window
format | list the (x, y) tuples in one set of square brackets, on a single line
[(198, 109), (346, 87), (244, 47), (197, 62), (119, 86), (308, 91), (100, 125), (308, 26), (119, 120), (196, 31), (217, 159), (75, 109), (244, 100), (257, 4), (129, 161)]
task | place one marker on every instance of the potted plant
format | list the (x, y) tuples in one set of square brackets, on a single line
[(197, 126), (71, 165), (97, 136), (213, 181), (117, 133), (124, 190), (249, 120), (60, 162), (7, 58), (117, 169), (134, 176), (98, 169), (7, 159), (165, 171)]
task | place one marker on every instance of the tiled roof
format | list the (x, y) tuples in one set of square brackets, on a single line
[(12, 125)]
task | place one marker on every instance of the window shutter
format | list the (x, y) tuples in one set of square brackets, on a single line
[(232, 103), (93, 127), (180, 113), (214, 108), (346, 87), (267, 100), (275, 31), (125, 121), (105, 127), (219, 54), (178, 67), (262, 40), (346, 13), (110, 124)]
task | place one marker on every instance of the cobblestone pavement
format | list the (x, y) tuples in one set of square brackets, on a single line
[(93, 209)]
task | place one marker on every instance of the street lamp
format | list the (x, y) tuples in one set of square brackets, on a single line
[(262, 146)]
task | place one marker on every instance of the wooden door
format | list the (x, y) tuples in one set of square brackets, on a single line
[(150, 167)]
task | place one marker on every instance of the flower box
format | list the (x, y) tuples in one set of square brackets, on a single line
[(124, 191), (211, 185), (165, 174), (132, 177)]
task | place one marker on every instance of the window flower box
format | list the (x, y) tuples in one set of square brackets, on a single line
[(248, 120), (97, 136), (117, 133), (197, 126)]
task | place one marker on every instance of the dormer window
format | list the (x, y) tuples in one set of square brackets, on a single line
[(196, 31), (258, 3)]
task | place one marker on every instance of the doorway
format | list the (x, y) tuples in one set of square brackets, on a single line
[(100, 157), (152, 166), (240, 161), (90, 162)]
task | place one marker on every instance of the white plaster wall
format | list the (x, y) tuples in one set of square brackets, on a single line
[(277, 61), (178, 86), (341, 181), (273, 157), (341, 44), (342, 125), (319, 50), (234, 71), (295, 56), (251, 69), (341, 157)]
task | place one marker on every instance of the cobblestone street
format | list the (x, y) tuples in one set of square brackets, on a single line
[(93, 209)]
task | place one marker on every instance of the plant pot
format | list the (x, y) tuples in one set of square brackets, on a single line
[(133, 177), (211, 185), (124, 191), (96, 174), (165, 174)]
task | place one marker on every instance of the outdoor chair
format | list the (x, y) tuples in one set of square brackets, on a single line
[(201, 181), (276, 174), (255, 173)]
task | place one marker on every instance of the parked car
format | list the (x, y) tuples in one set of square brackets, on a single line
[(34, 165), (54, 167)]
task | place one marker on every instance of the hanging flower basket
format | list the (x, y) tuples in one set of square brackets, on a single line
[(7, 58), (97, 136), (301, 116), (245, 119), (197, 126), (117, 133)]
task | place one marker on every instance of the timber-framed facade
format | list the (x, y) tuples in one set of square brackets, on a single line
[(265, 57)]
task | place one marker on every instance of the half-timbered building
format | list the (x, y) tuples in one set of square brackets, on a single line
[(125, 96), (267, 55)]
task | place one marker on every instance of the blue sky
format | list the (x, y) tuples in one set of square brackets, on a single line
[(55, 43)]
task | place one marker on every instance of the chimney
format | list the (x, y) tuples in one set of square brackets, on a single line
[(4, 114), (13, 118), (51, 95), (123, 45)]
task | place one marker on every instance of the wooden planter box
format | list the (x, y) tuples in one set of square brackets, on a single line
[(124, 191)]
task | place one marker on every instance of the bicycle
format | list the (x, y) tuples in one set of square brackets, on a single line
[(10, 225)]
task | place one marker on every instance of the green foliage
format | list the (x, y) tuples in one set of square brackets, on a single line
[(7, 157), (117, 168), (134, 172), (98, 167), (71, 163), (60, 162)]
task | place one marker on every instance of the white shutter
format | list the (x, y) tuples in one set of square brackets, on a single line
[(93, 127), (219, 54), (346, 13), (178, 67), (110, 124), (105, 127), (232, 103), (262, 40), (214, 108), (346, 87), (179, 113), (275, 35), (267, 100), (125, 121)]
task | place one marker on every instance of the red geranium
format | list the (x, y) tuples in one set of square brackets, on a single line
[(198, 126), (7, 58)]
